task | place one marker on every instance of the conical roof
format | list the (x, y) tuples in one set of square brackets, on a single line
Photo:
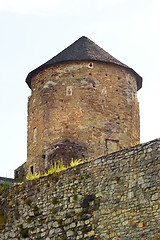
[(80, 50)]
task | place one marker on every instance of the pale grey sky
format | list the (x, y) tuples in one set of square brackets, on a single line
[(34, 31)]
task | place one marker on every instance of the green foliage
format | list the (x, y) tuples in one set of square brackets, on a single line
[(55, 177), (5, 185), (17, 190), (52, 169), (27, 201), (54, 200), (117, 179), (2, 219), (57, 167), (20, 226), (76, 162), (54, 211), (135, 143), (35, 208), (84, 176), (16, 214), (10, 196), (20, 177), (31, 176), (16, 203), (1, 212), (60, 166), (28, 220), (22, 186), (66, 140), (37, 188), (11, 220), (80, 214), (59, 221), (24, 233), (75, 197), (64, 238)]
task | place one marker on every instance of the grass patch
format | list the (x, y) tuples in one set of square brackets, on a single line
[(76, 162), (57, 167), (5, 185), (31, 176)]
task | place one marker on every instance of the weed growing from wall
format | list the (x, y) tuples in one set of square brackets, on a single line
[(76, 162), (16, 214), (27, 201), (24, 233), (58, 167), (59, 221), (32, 176), (66, 140), (2, 219), (5, 185), (54, 200)]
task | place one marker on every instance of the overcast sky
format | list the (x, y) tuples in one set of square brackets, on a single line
[(33, 31)]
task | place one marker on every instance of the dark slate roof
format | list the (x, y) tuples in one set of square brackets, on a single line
[(83, 49)]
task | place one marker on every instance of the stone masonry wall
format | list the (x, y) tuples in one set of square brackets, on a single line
[(4, 180), (92, 104), (113, 197)]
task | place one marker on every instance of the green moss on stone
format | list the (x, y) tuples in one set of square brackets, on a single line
[(117, 179), (24, 233), (35, 208), (55, 177), (75, 197), (54, 200), (16, 214), (27, 201), (54, 211), (2, 219), (59, 221)]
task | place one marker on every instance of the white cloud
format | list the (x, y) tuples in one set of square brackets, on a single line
[(30, 6)]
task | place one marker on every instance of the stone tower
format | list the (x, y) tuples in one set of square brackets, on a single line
[(83, 103)]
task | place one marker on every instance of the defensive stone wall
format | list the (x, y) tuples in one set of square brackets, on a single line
[(112, 197), (4, 180)]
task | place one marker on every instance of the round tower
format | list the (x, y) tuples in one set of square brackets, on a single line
[(83, 103)]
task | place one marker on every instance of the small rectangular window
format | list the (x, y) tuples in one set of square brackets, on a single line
[(32, 169)]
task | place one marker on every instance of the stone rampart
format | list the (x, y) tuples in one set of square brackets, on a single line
[(4, 180), (112, 197)]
